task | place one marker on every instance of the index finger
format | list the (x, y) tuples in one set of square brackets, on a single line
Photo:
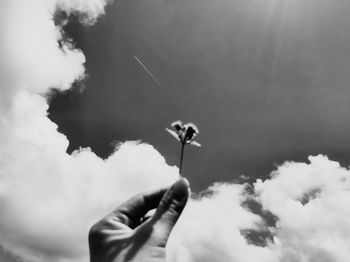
[(131, 211)]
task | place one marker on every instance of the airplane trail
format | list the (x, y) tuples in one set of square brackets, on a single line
[(147, 71)]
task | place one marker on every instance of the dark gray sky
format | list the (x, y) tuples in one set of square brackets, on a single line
[(265, 80)]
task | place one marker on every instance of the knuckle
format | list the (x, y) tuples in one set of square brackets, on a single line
[(176, 207)]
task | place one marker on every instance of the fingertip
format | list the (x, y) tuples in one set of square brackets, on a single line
[(185, 180), (181, 188)]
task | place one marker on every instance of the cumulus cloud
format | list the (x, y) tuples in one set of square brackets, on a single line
[(49, 199), (211, 228), (89, 10), (311, 202)]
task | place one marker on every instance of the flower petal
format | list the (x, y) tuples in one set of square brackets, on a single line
[(193, 126), (177, 125), (194, 143), (173, 133), (191, 131)]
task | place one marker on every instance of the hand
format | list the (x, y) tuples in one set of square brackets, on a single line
[(124, 235)]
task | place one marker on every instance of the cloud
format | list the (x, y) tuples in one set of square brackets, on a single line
[(89, 9), (311, 202), (49, 199), (211, 228)]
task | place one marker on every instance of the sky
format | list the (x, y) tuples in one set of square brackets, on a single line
[(82, 125), (265, 81)]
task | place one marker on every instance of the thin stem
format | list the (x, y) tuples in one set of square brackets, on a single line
[(181, 157)]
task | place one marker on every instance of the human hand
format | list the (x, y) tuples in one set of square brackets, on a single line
[(124, 235)]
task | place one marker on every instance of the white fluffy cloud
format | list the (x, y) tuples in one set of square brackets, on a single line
[(312, 204), (49, 199), (210, 229)]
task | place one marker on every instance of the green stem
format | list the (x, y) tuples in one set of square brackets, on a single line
[(181, 157)]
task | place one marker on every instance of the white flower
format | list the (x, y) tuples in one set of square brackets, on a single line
[(185, 133)]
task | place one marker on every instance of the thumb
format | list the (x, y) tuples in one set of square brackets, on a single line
[(168, 211)]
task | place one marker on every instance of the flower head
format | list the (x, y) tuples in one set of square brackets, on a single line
[(185, 133)]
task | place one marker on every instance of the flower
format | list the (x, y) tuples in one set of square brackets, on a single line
[(185, 133)]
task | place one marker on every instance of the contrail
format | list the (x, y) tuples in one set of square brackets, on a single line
[(148, 72)]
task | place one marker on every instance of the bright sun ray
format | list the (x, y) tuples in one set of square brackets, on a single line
[(280, 21)]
